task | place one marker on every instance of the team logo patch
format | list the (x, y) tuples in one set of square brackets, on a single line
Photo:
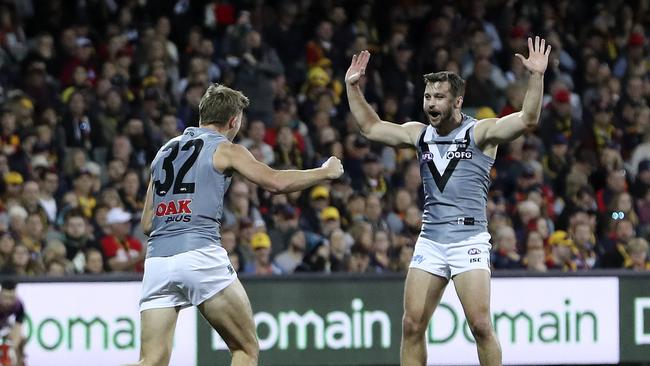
[(473, 251), (427, 156)]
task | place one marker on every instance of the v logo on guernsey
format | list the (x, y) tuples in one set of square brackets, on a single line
[(440, 165)]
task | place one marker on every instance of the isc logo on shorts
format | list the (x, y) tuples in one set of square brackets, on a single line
[(176, 210), (458, 155)]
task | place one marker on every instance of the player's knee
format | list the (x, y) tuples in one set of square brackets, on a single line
[(481, 329), (413, 327), (250, 348), (160, 356)]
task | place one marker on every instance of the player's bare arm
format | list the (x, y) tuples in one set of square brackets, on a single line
[(371, 126), (146, 220), (492, 131), (233, 156)]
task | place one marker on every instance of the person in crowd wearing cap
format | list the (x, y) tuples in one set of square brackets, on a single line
[(330, 220), (261, 265), (122, 251), (455, 204), (182, 216), (289, 259), (563, 252), (634, 62), (13, 187), (319, 198), (557, 118)]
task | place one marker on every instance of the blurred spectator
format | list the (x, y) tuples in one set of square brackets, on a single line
[(534, 260), (359, 261), (563, 252), (310, 216), (505, 255), (258, 65), (78, 239), (255, 138), (317, 259), (12, 317), (23, 263), (122, 251), (94, 261), (284, 224), (288, 260), (638, 251), (261, 265)]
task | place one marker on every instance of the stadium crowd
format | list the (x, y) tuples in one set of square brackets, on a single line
[(90, 90)]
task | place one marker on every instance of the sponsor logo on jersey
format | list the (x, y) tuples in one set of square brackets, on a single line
[(458, 155), (475, 260), (427, 156), (175, 210)]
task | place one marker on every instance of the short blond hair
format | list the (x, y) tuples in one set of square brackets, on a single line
[(637, 245), (219, 104)]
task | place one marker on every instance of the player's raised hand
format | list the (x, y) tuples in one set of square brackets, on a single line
[(537, 55), (357, 68), (333, 167)]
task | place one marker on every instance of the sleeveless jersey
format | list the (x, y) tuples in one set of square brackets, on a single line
[(187, 194), (456, 177)]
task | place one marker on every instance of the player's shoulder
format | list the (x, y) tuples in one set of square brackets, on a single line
[(414, 130)]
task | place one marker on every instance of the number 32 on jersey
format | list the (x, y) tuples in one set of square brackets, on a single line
[(177, 209)]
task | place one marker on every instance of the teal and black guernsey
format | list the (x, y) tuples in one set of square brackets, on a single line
[(188, 194), (456, 178)]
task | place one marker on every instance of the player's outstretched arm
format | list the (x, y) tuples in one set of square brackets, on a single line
[(146, 220), (494, 131), (234, 156), (371, 126)]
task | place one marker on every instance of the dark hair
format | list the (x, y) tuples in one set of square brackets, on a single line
[(75, 212), (456, 83), (8, 285)]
